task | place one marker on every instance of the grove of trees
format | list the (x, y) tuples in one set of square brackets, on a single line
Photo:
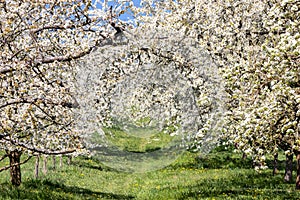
[(255, 45), (39, 41)]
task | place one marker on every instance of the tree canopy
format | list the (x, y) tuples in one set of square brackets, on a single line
[(155, 59)]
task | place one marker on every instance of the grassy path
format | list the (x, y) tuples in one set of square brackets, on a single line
[(219, 175)]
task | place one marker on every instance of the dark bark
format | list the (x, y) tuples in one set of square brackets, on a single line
[(54, 162), (45, 165), (275, 164), (298, 171), (37, 165), (15, 169), (288, 175), (244, 156)]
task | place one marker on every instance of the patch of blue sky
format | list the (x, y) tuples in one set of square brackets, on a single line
[(115, 4)]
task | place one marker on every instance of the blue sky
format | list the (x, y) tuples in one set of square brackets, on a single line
[(125, 16)]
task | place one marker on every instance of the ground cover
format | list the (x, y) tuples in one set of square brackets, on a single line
[(219, 175)]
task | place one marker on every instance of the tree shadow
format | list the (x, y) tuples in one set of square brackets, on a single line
[(47, 189), (219, 160), (91, 163), (226, 160), (243, 186)]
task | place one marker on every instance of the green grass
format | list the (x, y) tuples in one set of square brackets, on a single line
[(151, 140), (219, 175), (136, 149)]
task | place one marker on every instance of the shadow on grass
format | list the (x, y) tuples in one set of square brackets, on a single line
[(222, 160), (46, 189), (250, 185), (91, 163), (219, 160)]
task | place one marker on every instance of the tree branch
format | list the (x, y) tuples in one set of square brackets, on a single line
[(66, 58), (60, 27), (3, 136), (21, 163), (45, 101), (41, 151), (5, 70), (3, 157)]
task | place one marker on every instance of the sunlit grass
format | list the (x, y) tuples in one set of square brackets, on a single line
[(220, 175), (152, 141)]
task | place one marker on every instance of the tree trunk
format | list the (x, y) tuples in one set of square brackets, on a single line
[(244, 156), (54, 162), (298, 171), (15, 169), (45, 165), (288, 168), (60, 161), (69, 160), (275, 164), (37, 165)]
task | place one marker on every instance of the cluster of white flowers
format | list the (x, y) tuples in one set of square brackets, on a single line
[(256, 45), (159, 74), (161, 69), (39, 41)]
